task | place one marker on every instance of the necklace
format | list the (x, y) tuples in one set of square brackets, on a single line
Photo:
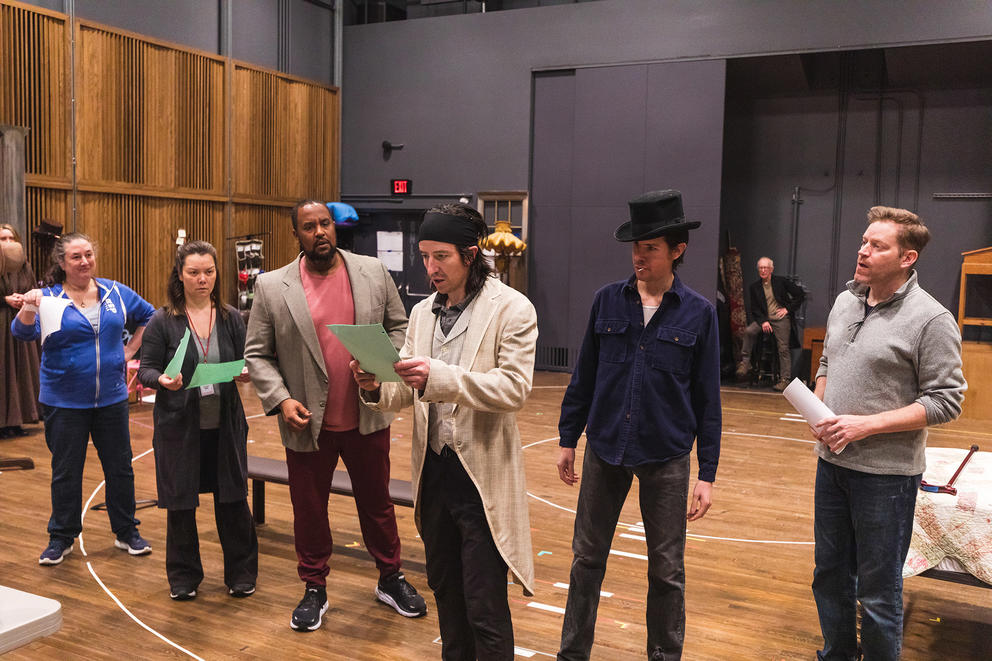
[(75, 292)]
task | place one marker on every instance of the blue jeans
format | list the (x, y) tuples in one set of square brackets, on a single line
[(863, 526), (664, 490), (67, 433)]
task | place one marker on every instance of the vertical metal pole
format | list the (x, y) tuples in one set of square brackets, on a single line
[(338, 38), (796, 201), (71, 11)]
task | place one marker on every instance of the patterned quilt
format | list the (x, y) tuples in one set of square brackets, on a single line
[(957, 526)]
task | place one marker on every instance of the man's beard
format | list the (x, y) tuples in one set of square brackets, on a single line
[(318, 261)]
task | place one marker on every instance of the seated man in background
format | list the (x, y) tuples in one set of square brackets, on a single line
[(774, 302)]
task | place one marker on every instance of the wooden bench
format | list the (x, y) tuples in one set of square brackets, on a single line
[(262, 470)]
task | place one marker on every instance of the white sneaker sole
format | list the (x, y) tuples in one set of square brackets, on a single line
[(316, 625), (124, 547), (389, 601), (57, 561)]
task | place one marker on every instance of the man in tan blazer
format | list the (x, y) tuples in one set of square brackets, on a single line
[(300, 371), (467, 366)]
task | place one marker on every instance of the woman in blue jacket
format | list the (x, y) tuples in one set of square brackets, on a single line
[(83, 389)]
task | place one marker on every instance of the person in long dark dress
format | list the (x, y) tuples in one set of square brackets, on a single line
[(18, 360), (201, 434)]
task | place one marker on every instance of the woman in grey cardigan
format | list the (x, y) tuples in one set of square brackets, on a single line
[(201, 433)]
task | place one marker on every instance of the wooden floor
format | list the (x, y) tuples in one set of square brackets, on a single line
[(748, 563)]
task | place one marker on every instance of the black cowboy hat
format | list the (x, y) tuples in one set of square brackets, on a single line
[(654, 214)]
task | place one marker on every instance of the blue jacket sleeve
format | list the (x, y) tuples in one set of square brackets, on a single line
[(24, 332), (706, 399), (139, 311), (578, 397)]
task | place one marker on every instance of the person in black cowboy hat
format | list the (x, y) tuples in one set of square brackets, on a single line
[(646, 384)]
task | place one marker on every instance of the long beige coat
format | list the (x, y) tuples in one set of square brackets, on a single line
[(282, 351), (491, 381)]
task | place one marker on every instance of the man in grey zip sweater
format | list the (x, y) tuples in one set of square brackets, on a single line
[(891, 367)]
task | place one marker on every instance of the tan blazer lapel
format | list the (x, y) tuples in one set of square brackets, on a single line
[(296, 301), (482, 315), (361, 290)]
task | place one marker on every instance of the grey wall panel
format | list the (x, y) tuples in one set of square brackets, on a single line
[(684, 150), (554, 125), (630, 133), (957, 128), (193, 23), (255, 32), (311, 48), (549, 273), (595, 259), (609, 136), (550, 204)]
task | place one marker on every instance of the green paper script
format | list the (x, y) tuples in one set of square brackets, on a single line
[(215, 373), (176, 364), (370, 346)]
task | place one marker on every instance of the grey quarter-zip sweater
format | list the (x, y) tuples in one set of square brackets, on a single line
[(906, 349)]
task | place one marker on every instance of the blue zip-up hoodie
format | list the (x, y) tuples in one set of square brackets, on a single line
[(80, 369)]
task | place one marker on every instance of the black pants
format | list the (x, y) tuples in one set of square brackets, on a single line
[(235, 527), (464, 568), (664, 490)]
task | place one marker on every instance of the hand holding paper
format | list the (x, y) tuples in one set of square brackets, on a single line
[(807, 404)]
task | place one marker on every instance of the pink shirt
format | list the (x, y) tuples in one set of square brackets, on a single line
[(330, 302)]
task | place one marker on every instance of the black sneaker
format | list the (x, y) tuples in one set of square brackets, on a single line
[(133, 543), (241, 590), (396, 592), (55, 552), (182, 594), (311, 609)]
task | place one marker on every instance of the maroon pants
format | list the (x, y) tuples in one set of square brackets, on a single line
[(310, 473)]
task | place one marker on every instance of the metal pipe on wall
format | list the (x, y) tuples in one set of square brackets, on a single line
[(70, 7)]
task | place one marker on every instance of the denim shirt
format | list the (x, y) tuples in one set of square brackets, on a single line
[(645, 393)]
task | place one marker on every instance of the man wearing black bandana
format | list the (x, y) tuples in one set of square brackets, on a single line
[(467, 366)]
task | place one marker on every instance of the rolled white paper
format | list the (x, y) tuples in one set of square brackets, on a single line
[(806, 403)]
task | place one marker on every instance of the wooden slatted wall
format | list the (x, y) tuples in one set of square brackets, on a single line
[(155, 124)]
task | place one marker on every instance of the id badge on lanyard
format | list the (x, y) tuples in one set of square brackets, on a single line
[(207, 390)]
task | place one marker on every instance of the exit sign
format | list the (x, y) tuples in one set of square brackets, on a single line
[(402, 186)]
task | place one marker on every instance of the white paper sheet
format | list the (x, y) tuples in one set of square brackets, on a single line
[(50, 310), (389, 249), (806, 403)]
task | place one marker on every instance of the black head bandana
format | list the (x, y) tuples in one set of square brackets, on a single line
[(448, 229)]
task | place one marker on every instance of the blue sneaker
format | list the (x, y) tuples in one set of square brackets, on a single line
[(133, 543), (55, 552)]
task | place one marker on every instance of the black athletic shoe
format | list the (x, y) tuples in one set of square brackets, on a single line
[(241, 589), (396, 592), (311, 609), (182, 594)]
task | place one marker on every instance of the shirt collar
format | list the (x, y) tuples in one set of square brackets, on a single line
[(677, 289), (439, 303)]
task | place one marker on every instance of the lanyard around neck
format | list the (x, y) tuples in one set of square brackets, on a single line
[(210, 324)]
